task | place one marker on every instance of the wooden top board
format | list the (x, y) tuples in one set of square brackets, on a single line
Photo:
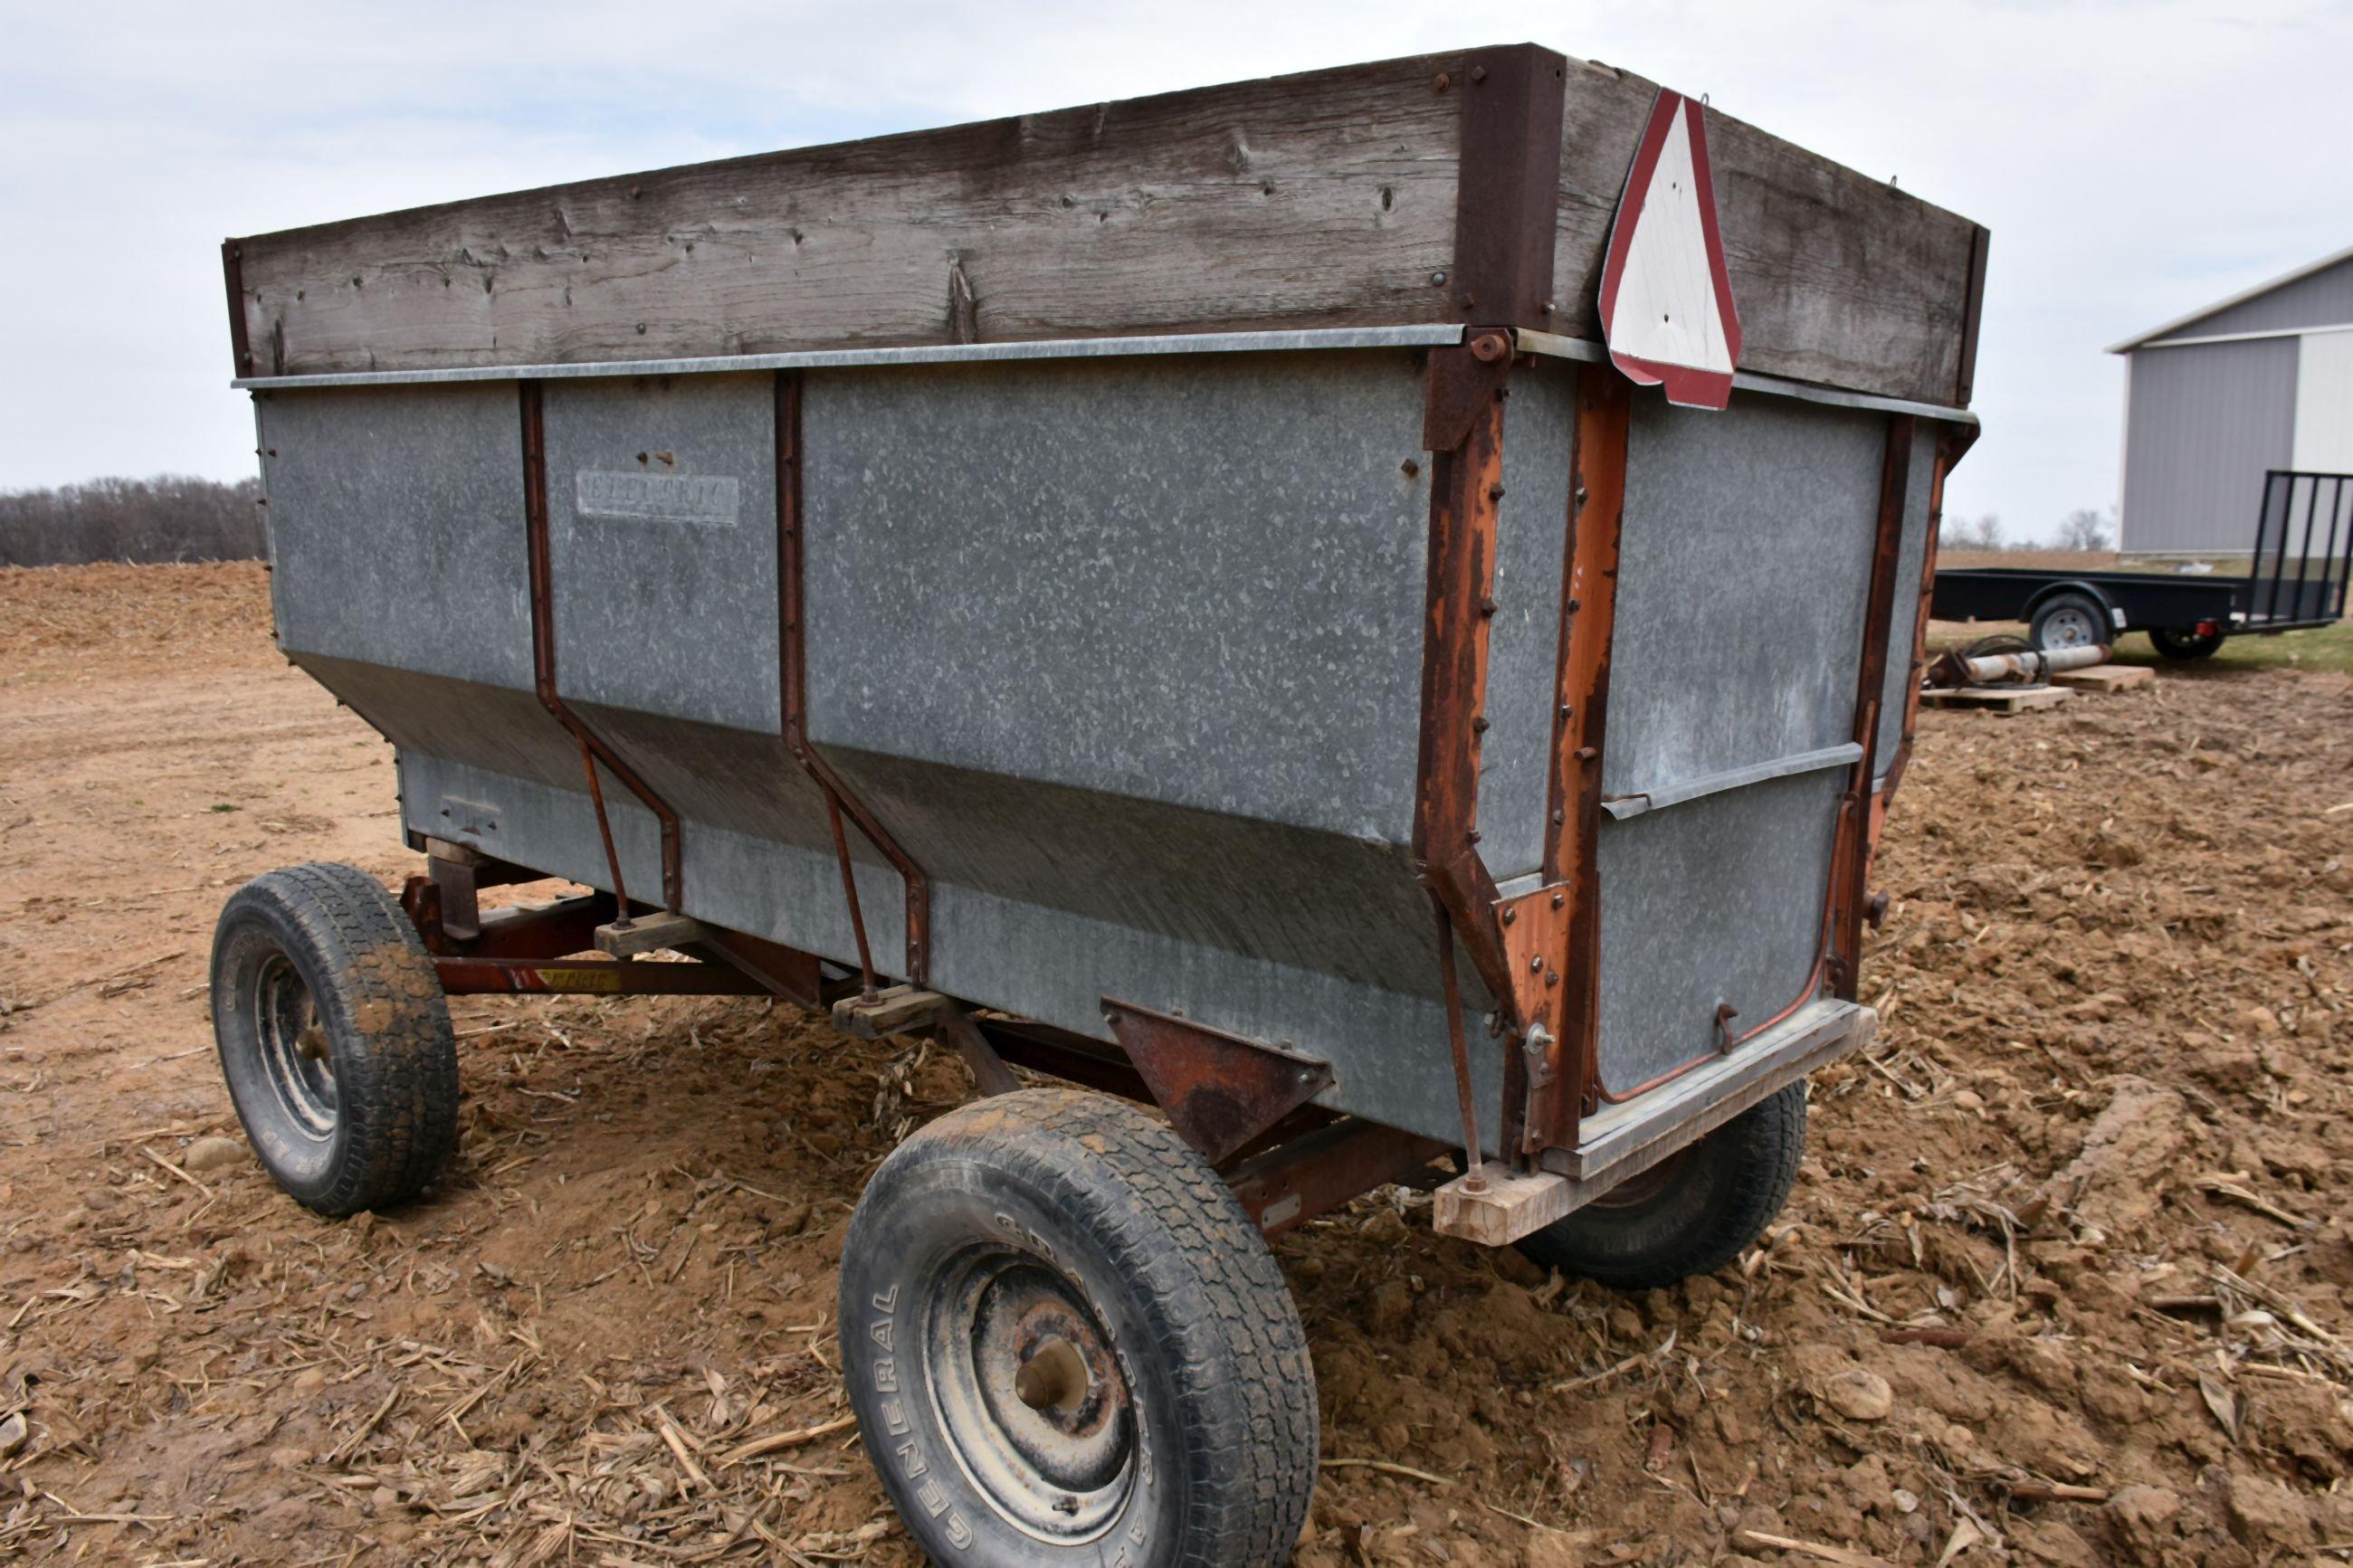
[(1474, 186)]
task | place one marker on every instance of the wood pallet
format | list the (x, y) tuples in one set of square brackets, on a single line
[(1997, 699), (2107, 678)]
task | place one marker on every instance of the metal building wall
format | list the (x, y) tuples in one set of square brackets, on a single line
[(2203, 424), (2324, 298)]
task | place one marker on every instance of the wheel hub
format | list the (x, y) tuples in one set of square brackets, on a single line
[(2069, 627), (294, 1054), (1031, 1396)]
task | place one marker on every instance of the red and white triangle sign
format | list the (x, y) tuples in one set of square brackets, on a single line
[(1666, 299)]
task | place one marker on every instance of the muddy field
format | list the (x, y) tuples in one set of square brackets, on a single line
[(2067, 1277)]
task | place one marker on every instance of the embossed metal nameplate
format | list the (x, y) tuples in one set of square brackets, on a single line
[(659, 498)]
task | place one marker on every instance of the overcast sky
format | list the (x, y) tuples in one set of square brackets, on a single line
[(2133, 161)]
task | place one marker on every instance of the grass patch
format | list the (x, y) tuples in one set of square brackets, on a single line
[(2323, 647)]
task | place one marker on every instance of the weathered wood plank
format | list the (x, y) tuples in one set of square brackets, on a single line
[(1325, 199), (1328, 199), (1839, 279)]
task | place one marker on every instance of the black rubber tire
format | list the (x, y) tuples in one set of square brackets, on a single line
[(2184, 647), (387, 1122), (1098, 1210), (2044, 635), (1711, 1202)]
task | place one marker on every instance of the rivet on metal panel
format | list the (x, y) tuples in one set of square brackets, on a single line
[(1510, 915), (1537, 1048), (1409, 468), (1479, 723)]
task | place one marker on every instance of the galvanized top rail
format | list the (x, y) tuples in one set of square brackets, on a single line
[(1549, 344), (1423, 336)]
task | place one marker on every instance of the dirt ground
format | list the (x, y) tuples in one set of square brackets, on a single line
[(2068, 1277)]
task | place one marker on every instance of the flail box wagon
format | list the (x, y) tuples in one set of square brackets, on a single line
[(1373, 613)]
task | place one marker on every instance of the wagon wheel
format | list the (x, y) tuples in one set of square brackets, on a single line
[(2184, 646), (1691, 1212), (2069, 621), (1067, 1343), (335, 1037)]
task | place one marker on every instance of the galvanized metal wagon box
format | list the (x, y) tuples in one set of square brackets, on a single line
[(1185, 595)]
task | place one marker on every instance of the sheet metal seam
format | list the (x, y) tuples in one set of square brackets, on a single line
[(541, 561), (1850, 869), (792, 546)]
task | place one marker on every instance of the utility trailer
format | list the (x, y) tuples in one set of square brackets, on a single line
[(1187, 596), (2295, 579)]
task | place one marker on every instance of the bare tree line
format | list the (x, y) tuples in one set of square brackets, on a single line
[(171, 517), (2085, 528)]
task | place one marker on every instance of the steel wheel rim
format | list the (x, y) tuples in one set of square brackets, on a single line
[(2070, 627), (295, 1057), (1033, 1400)]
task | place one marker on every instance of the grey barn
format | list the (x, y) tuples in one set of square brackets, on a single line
[(2259, 381)]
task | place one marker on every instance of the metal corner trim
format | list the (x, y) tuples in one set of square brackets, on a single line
[(1634, 803), (1553, 345)]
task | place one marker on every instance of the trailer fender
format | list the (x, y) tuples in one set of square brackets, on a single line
[(2076, 585)]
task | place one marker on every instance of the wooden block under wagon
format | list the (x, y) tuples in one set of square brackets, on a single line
[(1997, 699), (2107, 678)]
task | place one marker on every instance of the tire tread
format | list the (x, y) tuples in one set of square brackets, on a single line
[(397, 1097), (1178, 1231)]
